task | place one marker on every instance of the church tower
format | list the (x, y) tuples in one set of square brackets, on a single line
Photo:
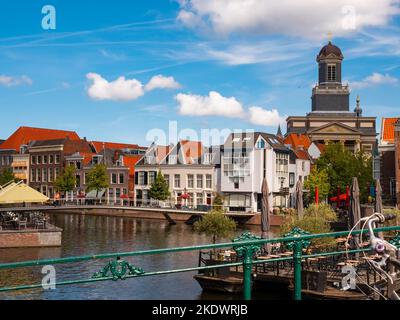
[(329, 95)]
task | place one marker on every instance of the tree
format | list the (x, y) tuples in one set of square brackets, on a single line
[(342, 165), (159, 189), (318, 178), (7, 175), (316, 219), (66, 182), (218, 203), (97, 179), (215, 224)]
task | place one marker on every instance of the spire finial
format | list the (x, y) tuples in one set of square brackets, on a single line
[(330, 35)]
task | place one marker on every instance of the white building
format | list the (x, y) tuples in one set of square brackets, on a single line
[(299, 169), (247, 158), (189, 168)]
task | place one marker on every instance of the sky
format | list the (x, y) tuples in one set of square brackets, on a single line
[(123, 70)]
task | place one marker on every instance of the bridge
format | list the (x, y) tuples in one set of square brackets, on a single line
[(171, 215)]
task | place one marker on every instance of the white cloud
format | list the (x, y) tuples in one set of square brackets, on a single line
[(263, 117), (124, 89), (212, 105), (217, 105), (161, 82), (373, 80), (118, 90), (304, 18), (9, 81)]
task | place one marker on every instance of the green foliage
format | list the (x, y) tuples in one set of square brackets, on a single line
[(7, 175), (218, 203), (66, 182), (159, 189), (318, 177), (316, 219), (392, 223), (342, 165), (97, 178), (215, 224)]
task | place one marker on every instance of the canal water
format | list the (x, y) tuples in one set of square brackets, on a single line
[(85, 235)]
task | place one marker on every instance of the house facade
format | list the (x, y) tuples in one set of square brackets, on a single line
[(248, 158), (189, 168)]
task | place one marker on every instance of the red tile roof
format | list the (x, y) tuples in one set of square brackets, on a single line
[(298, 140), (130, 161), (191, 150), (114, 145), (387, 130), (301, 154), (26, 134), (162, 152)]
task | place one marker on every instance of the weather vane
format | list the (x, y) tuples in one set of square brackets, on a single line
[(330, 35)]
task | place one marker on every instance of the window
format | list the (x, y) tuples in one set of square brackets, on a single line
[(209, 181), (39, 159), (44, 159), (33, 176), (282, 160), (50, 175), (177, 181), (38, 175), (190, 181), (57, 159), (152, 177), (200, 181), (113, 178), (141, 178), (199, 199), (33, 160), (291, 179), (121, 178), (303, 165), (56, 173), (44, 173), (51, 159), (331, 72), (261, 144), (78, 165), (166, 178)]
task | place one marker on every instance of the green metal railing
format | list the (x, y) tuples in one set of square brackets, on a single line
[(247, 246)]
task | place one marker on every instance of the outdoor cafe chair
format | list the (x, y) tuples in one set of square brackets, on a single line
[(22, 223)]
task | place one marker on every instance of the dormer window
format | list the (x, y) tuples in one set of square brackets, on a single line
[(261, 144), (331, 72)]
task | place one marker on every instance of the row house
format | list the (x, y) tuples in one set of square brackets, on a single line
[(13, 150), (117, 173), (387, 159), (248, 158), (47, 161), (190, 169)]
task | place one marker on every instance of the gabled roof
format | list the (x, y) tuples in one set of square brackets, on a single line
[(247, 140), (100, 145), (387, 129), (296, 140), (162, 152), (191, 150), (301, 154), (24, 135), (130, 162), (333, 124)]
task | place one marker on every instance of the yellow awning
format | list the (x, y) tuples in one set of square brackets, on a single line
[(19, 193)]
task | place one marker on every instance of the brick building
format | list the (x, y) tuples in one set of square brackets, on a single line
[(48, 159), (387, 157)]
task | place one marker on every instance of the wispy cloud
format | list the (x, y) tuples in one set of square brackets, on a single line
[(373, 80), (12, 81)]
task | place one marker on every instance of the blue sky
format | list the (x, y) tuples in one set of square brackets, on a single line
[(258, 62)]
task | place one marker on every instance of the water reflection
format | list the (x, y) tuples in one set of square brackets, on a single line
[(98, 234)]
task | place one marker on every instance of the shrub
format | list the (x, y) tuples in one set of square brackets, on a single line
[(316, 219)]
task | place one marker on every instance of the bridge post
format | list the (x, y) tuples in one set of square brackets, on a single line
[(297, 256), (247, 251)]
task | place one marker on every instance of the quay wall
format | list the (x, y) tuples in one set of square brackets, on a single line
[(30, 238)]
